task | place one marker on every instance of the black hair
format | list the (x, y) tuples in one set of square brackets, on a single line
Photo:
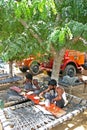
[(52, 82), (29, 76)]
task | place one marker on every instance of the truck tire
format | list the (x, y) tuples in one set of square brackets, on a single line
[(85, 66), (34, 68), (70, 70)]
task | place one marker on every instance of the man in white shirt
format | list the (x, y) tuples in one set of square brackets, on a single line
[(55, 94)]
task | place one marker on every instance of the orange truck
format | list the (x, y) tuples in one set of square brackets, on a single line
[(30, 63), (71, 63)]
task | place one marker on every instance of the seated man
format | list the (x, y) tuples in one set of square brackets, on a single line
[(28, 82), (55, 94), (31, 84), (36, 86)]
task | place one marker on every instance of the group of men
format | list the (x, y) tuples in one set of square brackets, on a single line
[(54, 92)]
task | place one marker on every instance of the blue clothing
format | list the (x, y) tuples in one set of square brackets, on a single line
[(51, 95), (28, 86)]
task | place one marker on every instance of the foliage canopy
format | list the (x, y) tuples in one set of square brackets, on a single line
[(36, 26)]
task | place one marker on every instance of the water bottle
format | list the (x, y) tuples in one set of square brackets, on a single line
[(47, 102), (1, 104)]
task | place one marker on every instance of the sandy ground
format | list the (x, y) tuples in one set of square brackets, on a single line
[(78, 122)]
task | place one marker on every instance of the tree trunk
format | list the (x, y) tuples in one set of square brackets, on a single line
[(58, 56), (11, 68)]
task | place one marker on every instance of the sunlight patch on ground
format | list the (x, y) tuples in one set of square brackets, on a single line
[(79, 128), (85, 113), (70, 125)]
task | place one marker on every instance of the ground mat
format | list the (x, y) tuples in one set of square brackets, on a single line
[(65, 81), (10, 79), (4, 75), (69, 81), (11, 97)]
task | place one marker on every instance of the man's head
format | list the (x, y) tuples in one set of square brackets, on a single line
[(29, 76), (35, 81), (52, 83)]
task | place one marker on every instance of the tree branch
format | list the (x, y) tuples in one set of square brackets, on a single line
[(35, 36), (83, 40), (31, 31), (79, 38)]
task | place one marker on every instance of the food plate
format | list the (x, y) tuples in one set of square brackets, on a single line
[(22, 93), (42, 99), (36, 97), (30, 92), (41, 103)]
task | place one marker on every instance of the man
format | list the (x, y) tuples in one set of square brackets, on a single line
[(31, 84), (55, 94), (36, 86), (28, 82)]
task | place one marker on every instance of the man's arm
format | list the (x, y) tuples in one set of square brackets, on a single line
[(59, 95), (43, 92)]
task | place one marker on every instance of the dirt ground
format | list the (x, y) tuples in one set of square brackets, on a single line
[(78, 122)]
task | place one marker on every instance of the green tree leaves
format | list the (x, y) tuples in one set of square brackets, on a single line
[(40, 24)]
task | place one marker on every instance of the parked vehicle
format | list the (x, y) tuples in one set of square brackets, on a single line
[(30, 63), (71, 64)]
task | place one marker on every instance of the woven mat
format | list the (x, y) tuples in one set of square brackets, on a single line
[(10, 79)]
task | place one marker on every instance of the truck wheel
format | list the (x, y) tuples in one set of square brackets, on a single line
[(34, 68), (70, 70), (85, 66)]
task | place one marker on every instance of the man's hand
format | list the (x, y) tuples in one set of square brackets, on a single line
[(53, 101), (41, 94)]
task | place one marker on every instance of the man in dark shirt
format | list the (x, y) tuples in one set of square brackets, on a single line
[(31, 84), (28, 82)]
